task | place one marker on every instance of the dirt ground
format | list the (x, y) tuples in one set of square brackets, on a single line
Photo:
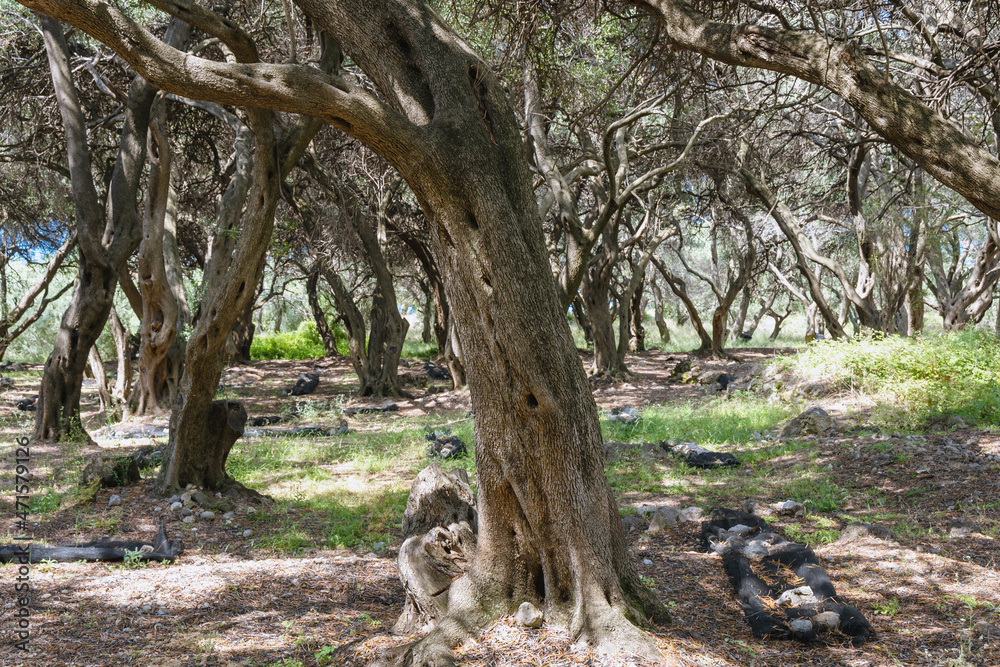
[(224, 603)]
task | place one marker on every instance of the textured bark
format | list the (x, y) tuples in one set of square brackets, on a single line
[(661, 323), (106, 237), (160, 313), (549, 529)]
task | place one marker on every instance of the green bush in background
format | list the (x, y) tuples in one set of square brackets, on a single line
[(303, 343)]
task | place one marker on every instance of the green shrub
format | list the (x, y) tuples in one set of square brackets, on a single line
[(303, 343), (925, 378)]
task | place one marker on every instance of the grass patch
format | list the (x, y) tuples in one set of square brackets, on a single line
[(918, 380), (717, 422)]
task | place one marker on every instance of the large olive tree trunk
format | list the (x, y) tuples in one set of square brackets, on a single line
[(549, 528)]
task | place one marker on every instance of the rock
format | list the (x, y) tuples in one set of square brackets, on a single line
[(961, 528), (306, 384), (529, 616), (186, 512), (445, 446), (614, 450), (827, 621), (149, 456), (692, 514), (813, 421), (741, 530), (378, 546), (207, 515), (859, 530), (790, 508), (797, 597), (682, 367), (756, 551), (248, 533), (114, 500), (27, 404), (176, 506), (663, 517), (109, 471), (986, 629), (437, 499), (801, 627), (627, 416), (632, 522), (188, 519)]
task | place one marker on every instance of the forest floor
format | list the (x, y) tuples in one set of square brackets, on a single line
[(315, 581)]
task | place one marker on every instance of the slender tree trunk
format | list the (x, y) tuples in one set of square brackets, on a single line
[(580, 313), (637, 312), (160, 312), (100, 379), (661, 323), (679, 288), (322, 327), (123, 380)]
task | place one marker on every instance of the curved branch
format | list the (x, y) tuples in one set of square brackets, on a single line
[(940, 146), (293, 88)]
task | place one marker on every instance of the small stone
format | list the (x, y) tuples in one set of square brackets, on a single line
[(828, 621), (188, 519), (529, 615), (755, 551), (646, 561), (176, 506), (207, 515), (692, 514), (248, 533), (229, 515), (186, 512), (114, 500), (791, 508), (801, 626), (663, 517), (986, 629), (378, 546), (741, 530), (797, 597)]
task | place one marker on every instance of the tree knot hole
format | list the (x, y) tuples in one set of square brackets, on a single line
[(531, 400)]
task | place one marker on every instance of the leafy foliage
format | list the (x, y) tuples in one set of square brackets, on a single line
[(303, 343)]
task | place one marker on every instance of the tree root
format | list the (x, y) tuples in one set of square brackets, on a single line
[(612, 629)]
